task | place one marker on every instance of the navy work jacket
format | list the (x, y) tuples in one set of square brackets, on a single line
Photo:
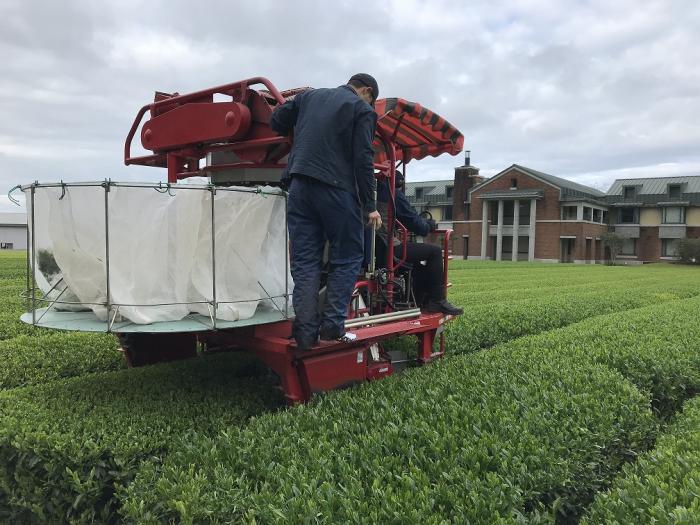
[(404, 212), (333, 133)]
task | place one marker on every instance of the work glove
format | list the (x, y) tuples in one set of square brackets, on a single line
[(431, 224)]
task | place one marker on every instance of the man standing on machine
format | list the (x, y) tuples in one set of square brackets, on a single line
[(426, 259), (331, 182)]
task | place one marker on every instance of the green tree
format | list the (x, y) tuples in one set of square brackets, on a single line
[(689, 251), (613, 242)]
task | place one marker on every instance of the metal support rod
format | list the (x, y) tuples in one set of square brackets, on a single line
[(286, 257), (212, 190), (29, 302), (381, 318), (373, 249), (51, 304), (33, 259), (109, 291), (270, 298), (114, 318)]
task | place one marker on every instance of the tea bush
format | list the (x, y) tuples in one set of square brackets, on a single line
[(663, 486), (27, 360), (528, 431), (66, 446)]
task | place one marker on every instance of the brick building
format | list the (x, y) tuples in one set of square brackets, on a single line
[(654, 214), (522, 214), (434, 197)]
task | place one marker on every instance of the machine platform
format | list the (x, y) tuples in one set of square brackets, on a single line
[(88, 322)]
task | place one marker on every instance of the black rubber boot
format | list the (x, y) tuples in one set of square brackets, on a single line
[(443, 306)]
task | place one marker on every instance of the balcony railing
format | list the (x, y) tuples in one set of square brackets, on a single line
[(627, 231), (437, 200), (523, 230), (672, 231)]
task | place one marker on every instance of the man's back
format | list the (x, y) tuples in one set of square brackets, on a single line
[(333, 132)]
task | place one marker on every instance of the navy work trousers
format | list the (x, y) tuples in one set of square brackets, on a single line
[(318, 212)]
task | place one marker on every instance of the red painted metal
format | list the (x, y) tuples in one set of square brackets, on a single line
[(183, 129), (206, 122), (303, 372)]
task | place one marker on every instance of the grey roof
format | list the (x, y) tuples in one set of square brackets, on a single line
[(512, 194), (563, 183), (657, 185), (431, 187), (13, 219), (569, 190)]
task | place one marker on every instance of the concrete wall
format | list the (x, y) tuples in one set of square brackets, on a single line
[(436, 212), (650, 217), (17, 235), (692, 216)]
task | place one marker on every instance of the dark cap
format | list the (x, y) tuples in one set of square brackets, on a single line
[(368, 81)]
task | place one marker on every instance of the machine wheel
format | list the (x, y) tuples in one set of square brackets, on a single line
[(148, 349)]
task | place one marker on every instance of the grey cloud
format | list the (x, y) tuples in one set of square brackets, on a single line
[(587, 90)]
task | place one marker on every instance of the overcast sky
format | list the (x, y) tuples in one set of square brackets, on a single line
[(588, 90)]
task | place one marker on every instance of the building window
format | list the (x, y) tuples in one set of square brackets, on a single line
[(493, 211), (605, 217), (587, 213), (513, 184), (669, 247), (419, 193), (674, 215), (629, 193), (524, 213), (568, 213), (627, 215), (447, 213), (508, 210), (6, 245), (674, 191), (448, 192), (597, 215), (629, 247)]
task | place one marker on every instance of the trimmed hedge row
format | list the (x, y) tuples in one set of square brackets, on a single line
[(33, 356), (657, 348), (463, 441), (663, 486), (528, 431), (67, 446), (12, 305), (485, 325), (13, 265), (27, 360), (526, 292)]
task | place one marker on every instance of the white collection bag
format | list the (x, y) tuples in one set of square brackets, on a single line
[(160, 249)]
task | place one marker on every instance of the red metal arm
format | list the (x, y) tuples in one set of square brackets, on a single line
[(227, 89), (445, 251), (404, 243)]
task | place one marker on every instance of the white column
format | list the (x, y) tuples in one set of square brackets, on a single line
[(533, 220), (499, 231), (484, 228), (516, 226)]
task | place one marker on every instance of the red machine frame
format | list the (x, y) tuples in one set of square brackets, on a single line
[(182, 130)]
